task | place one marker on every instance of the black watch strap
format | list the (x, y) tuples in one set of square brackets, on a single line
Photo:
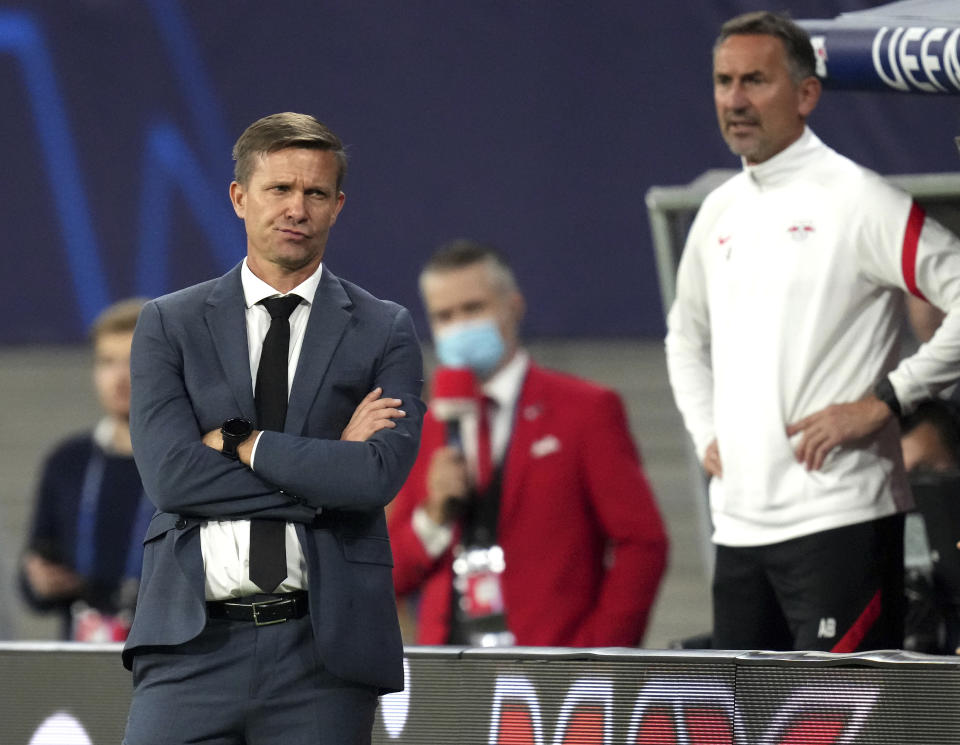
[(884, 391), (234, 432), (229, 449)]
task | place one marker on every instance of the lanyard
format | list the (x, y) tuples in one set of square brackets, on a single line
[(85, 553)]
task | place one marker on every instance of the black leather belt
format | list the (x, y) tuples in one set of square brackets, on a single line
[(261, 610)]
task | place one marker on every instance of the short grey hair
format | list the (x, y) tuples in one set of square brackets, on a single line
[(462, 253)]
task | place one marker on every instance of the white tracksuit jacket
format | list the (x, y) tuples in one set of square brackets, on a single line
[(789, 299)]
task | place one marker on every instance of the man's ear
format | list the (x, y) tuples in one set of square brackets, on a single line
[(518, 306), (238, 198), (341, 198), (809, 92)]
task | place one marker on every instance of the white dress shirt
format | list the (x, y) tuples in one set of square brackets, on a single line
[(225, 544)]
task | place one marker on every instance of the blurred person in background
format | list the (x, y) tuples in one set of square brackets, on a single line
[(83, 556), (782, 351), (931, 454), (930, 438), (527, 518)]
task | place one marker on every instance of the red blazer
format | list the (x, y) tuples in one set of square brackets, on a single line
[(584, 544)]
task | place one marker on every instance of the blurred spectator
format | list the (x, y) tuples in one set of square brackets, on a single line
[(930, 438), (931, 454), (527, 517), (83, 556)]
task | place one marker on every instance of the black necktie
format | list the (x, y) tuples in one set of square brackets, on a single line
[(268, 558)]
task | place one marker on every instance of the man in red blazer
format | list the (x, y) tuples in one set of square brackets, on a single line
[(570, 542)]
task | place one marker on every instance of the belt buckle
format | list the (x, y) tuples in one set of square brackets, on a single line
[(256, 617)]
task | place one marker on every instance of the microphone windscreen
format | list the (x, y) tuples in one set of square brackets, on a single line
[(454, 382), (454, 393)]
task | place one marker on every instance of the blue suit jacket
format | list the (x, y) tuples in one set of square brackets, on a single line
[(191, 371)]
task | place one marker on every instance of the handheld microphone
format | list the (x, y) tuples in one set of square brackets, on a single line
[(454, 397)]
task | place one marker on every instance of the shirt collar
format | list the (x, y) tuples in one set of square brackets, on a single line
[(784, 165), (504, 386), (103, 434), (255, 289)]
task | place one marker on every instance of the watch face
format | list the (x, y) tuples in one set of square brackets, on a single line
[(237, 427)]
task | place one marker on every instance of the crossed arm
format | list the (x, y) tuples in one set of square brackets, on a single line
[(296, 476), (374, 413)]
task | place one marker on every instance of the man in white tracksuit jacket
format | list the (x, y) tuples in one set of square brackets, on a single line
[(782, 349)]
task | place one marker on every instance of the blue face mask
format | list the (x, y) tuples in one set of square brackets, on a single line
[(477, 345)]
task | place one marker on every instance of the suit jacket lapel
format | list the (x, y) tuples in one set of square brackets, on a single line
[(329, 316), (226, 320)]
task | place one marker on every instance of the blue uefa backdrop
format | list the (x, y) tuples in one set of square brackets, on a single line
[(535, 125)]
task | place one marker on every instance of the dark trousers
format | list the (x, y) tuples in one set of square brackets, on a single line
[(242, 684), (839, 590)]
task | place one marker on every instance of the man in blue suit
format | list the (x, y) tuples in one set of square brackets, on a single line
[(266, 610)]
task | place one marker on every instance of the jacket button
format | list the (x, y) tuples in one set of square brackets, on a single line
[(181, 523)]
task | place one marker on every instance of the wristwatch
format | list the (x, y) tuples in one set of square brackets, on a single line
[(884, 391), (234, 431)]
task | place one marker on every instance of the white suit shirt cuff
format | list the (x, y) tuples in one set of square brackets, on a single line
[(253, 453), (435, 538)]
